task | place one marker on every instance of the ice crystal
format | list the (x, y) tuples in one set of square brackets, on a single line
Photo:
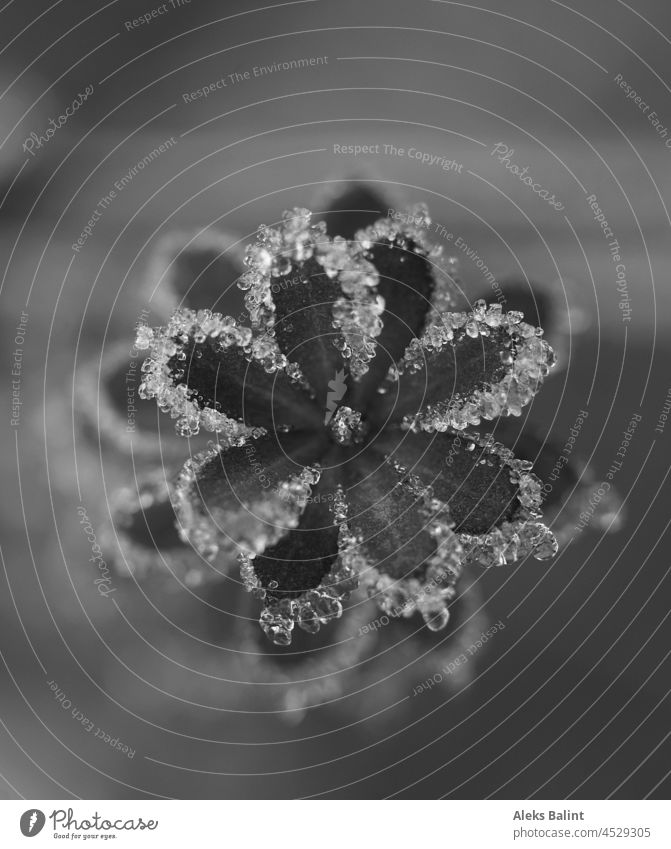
[(517, 361), (346, 426)]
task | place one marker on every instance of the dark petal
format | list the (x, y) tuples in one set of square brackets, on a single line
[(466, 367), (387, 515), (407, 284), (358, 206), (304, 300), (227, 380), (491, 497), (316, 297), (249, 497), (207, 371), (455, 372), (410, 558), (300, 560), (192, 271), (475, 483), (304, 577)]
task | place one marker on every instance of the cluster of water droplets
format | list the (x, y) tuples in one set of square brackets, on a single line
[(168, 363), (274, 254), (525, 534), (358, 313), (351, 560), (411, 228), (256, 522), (315, 606), (279, 251), (346, 426), (526, 356)]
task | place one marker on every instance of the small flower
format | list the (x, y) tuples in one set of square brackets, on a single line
[(343, 415)]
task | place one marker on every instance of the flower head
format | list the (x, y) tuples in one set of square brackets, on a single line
[(344, 454)]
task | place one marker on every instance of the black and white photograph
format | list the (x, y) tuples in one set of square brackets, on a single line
[(337, 427)]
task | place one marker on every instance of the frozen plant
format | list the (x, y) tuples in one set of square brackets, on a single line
[(382, 484)]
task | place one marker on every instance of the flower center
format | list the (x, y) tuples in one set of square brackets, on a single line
[(346, 427)]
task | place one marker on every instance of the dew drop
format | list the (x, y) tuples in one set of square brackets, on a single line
[(436, 621)]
